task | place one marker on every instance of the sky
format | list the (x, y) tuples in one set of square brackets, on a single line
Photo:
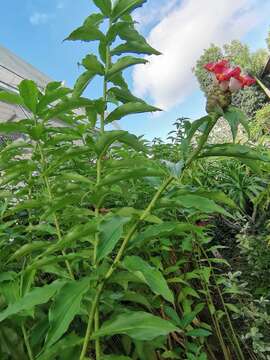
[(180, 29)]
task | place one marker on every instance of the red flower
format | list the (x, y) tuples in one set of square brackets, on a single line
[(229, 77), (246, 80)]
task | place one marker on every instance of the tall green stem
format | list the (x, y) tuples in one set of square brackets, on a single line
[(116, 262), (27, 344), (99, 169)]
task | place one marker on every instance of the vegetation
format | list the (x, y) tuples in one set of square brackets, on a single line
[(113, 248)]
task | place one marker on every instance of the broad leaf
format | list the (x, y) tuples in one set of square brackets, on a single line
[(151, 276), (111, 230), (128, 109), (29, 92), (123, 64), (122, 7), (65, 307), (36, 296), (138, 325)]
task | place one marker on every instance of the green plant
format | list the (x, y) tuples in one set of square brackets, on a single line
[(102, 252)]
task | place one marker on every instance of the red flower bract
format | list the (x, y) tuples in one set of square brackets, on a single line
[(224, 73)]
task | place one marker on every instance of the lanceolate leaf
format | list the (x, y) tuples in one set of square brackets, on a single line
[(52, 96), (234, 150), (134, 47), (122, 7), (109, 137), (68, 342), (87, 32), (65, 307), (37, 296), (128, 109), (111, 230), (82, 83), (151, 276), (123, 95), (132, 174), (105, 6), (29, 92), (28, 249), (11, 98), (91, 63), (138, 325), (68, 105), (124, 63)]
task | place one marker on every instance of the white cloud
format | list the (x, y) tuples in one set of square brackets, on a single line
[(181, 36), (39, 18)]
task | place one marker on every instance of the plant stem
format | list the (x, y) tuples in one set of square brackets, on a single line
[(27, 344), (116, 262)]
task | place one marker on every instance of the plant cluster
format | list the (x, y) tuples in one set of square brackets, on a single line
[(107, 248)]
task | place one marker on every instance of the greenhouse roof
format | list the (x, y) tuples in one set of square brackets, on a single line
[(12, 71)]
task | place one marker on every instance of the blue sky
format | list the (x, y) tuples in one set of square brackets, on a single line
[(34, 30)]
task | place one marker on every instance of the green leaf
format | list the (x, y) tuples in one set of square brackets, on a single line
[(68, 105), (65, 307), (111, 230), (128, 109), (130, 174), (115, 357), (82, 82), (12, 127), (234, 150), (123, 95), (67, 342), (109, 137), (122, 7), (119, 80), (134, 47), (123, 64), (199, 333), (28, 249), (36, 296), (200, 203), (151, 276), (29, 92), (105, 6), (11, 98), (91, 63), (88, 32), (77, 178), (235, 116), (164, 230), (51, 97), (138, 325)]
